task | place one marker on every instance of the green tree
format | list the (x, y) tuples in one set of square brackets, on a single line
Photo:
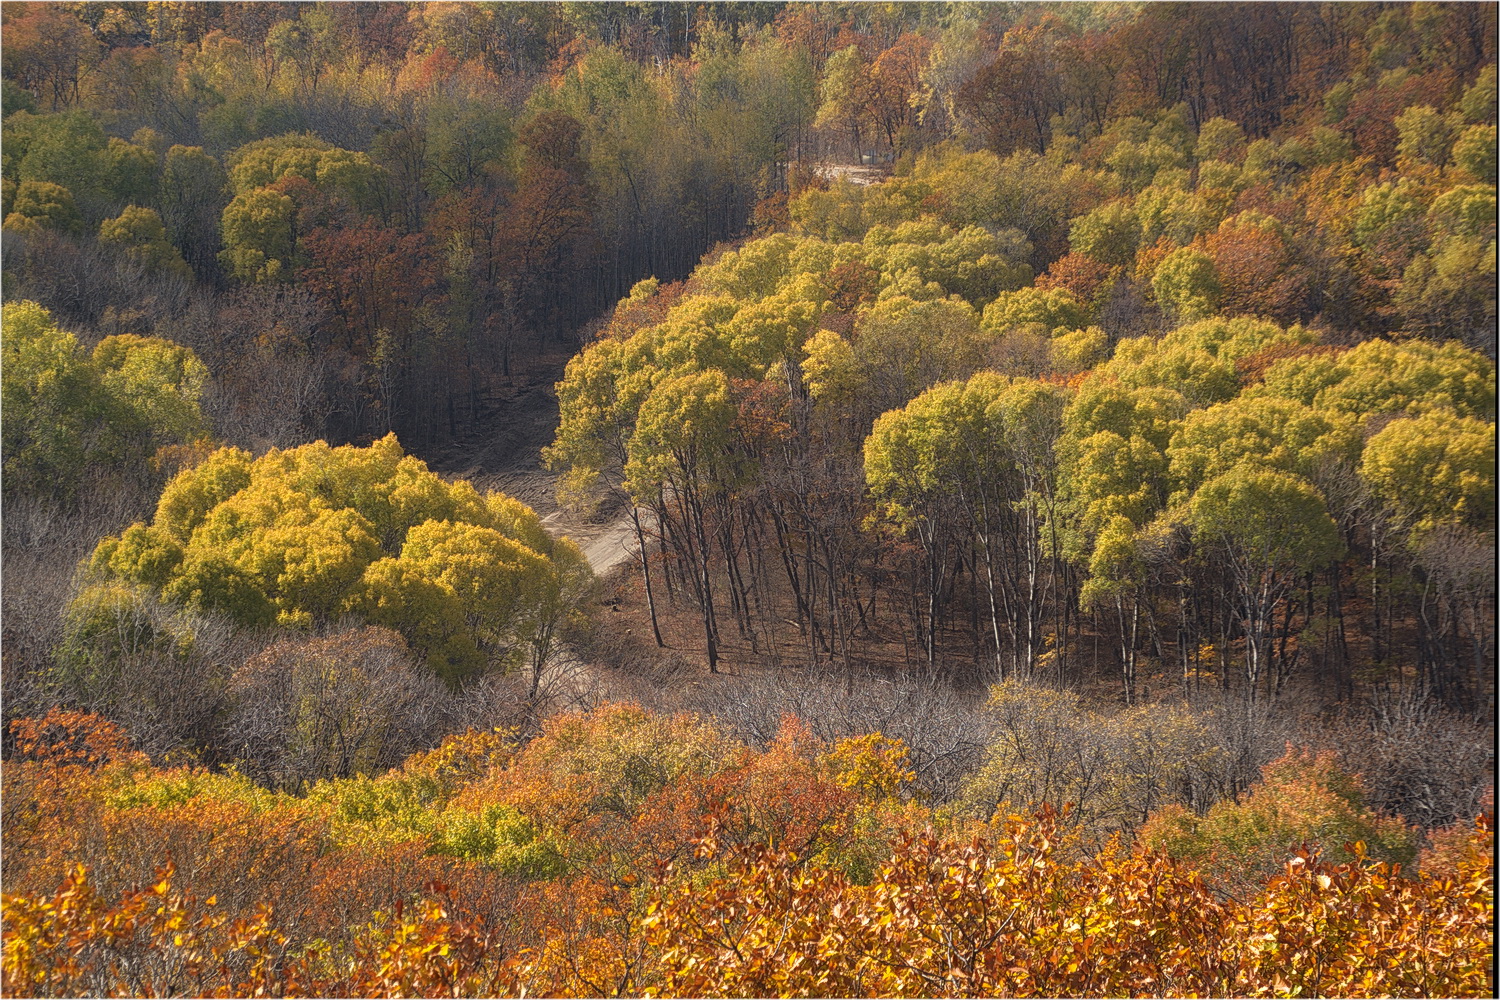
[(140, 234), (39, 205), (1053, 309), (973, 461), (258, 236), (1270, 528), (68, 149), (1110, 234), (68, 416), (1388, 377), (1264, 432), (680, 462), (1433, 470), (1187, 284), (299, 537)]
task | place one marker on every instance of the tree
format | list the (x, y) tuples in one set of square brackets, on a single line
[(1269, 527), (1187, 284), (258, 236), (1262, 431), (1110, 234), (67, 149), (351, 703), (299, 537), (1256, 270), (48, 50), (1434, 470), (972, 463), (140, 234), (680, 463), (1016, 95), (845, 95), (68, 416), (1388, 377), (193, 188), (1302, 798), (38, 205)]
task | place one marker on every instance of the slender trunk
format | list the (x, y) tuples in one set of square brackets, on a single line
[(640, 541)]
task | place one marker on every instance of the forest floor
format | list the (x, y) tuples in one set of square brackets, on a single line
[(620, 658), (503, 454)]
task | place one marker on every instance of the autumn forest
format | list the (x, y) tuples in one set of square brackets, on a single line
[(748, 499)]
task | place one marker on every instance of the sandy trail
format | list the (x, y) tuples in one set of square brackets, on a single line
[(855, 174)]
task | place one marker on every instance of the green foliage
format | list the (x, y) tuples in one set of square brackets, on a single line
[(1466, 210), (1425, 136), (1053, 309), (1109, 234), (257, 228), (1477, 104), (16, 98), (173, 787), (1219, 139), (67, 149), (830, 370), (1434, 469), (1080, 350), (264, 162), (140, 233), (1389, 214), (1269, 522), (1451, 288), (112, 624), (1112, 456), (1263, 432), (1474, 152), (1198, 374), (836, 214), (1388, 377), (499, 836), (301, 536), (970, 262), (681, 433), (132, 172), (68, 416), (42, 205), (1236, 338), (1187, 284), (1170, 211)]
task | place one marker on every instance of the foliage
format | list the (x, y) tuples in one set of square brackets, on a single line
[(1301, 799), (301, 536), (459, 891), (143, 237), (69, 415)]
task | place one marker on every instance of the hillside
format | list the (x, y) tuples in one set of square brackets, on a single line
[(748, 499)]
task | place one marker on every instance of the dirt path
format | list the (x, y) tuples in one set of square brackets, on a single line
[(854, 174)]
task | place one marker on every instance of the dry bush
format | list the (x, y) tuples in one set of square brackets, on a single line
[(1426, 763), (942, 726), (352, 702)]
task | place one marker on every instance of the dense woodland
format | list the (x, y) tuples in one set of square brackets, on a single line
[(1055, 444)]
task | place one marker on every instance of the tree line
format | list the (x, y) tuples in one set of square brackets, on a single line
[(417, 199)]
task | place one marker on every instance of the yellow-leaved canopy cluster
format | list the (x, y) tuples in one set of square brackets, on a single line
[(71, 416), (304, 536)]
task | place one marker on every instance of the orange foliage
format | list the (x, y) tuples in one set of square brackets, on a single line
[(696, 866), (1085, 277)]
